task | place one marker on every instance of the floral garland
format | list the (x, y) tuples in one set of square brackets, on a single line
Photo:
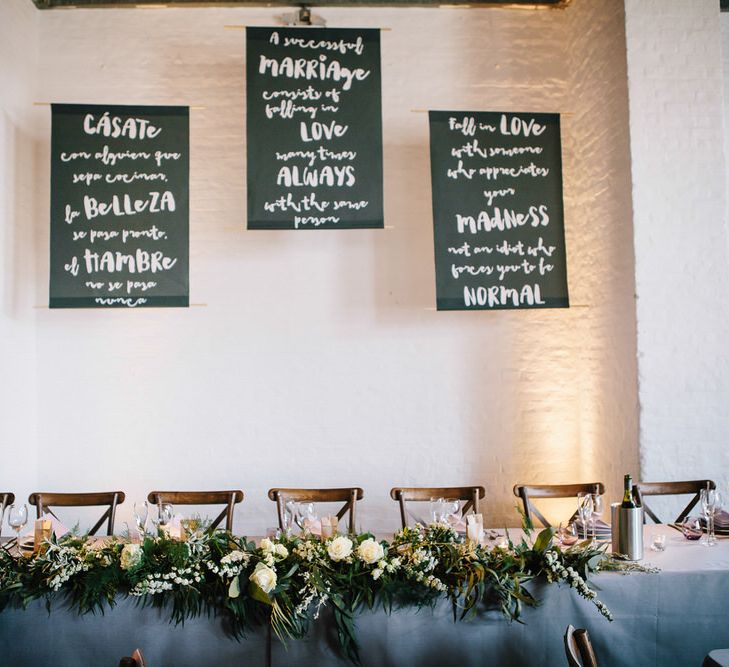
[(287, 581)]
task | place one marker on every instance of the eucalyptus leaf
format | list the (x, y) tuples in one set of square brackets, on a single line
[(544, 540)]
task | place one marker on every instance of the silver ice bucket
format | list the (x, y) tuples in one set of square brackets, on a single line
[(627, 531)]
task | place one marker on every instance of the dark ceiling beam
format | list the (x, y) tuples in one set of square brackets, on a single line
[(51, 4)]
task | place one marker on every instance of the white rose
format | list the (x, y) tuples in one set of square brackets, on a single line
[(340, 548), (267, 545), (370, 551), (281, 550), (264, 577), (131, 556)]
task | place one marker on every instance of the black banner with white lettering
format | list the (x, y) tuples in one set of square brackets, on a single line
[(498, 215), (314, 128), (119, 206)]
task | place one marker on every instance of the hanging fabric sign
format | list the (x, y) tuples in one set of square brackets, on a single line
[(497, 210), (314, 127), (119, 206)]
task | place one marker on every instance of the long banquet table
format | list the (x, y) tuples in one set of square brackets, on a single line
[(674, 617)]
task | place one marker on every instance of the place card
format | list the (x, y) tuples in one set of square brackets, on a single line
[(474, 528), (43, 530)]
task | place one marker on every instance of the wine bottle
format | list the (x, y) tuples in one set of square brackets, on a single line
[(628, 502)]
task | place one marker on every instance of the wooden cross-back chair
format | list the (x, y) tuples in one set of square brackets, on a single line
[(111, 499), (405, 494), (529, 492), (135, 660), (349, 496), (227, 498), (578, 648), (643, 489), (6, 499)]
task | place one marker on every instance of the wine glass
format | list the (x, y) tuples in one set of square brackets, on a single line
[(288, 517), (17, 518), (307, 515), (691, 528), (597, 509), (567, 534), (141, 512), (437, 509), (584, 509), (710, 502), (165, 512)]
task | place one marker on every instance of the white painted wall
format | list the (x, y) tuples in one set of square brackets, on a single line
[(19, 258), (318, 359), (724, 28), (682, 267)]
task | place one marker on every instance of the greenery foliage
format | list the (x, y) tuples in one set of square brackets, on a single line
[(287, 581)]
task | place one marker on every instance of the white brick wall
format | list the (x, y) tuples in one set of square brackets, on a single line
[(318, 358), (682, 268)]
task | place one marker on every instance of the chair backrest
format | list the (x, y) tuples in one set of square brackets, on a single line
[(574, 659), (228, 498), (6, 499), (43, 501), (405, 494), (349, 496), (528, 492), (642, 489), (578, 648)]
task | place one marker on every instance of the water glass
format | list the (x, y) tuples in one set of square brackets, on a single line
[(452, 511), (659, 542)]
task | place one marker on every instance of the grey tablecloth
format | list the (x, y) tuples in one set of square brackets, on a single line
[(672, 618), (717, 658)]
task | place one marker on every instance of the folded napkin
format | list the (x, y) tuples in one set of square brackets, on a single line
[(601, 528), (721, 519), (313, 526)]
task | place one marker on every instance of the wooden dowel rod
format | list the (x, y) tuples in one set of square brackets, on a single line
[(191, 305), (506, 309), (523, 113), (192, 108), (234, 26)]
